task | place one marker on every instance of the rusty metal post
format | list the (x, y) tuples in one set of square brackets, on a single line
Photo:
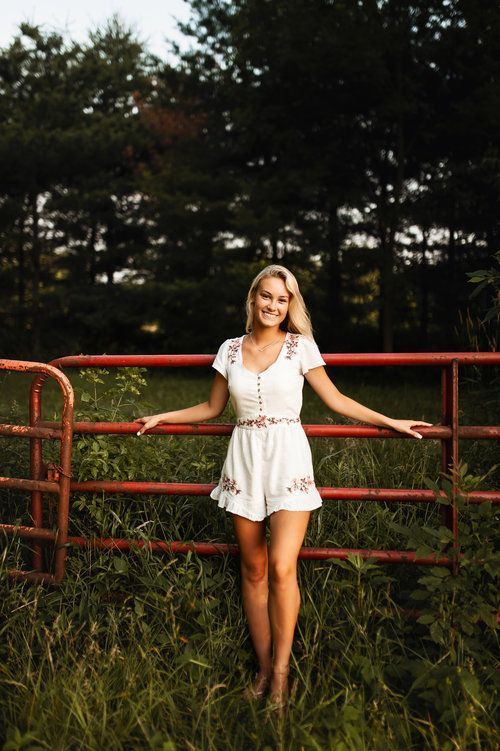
[(449, 450), (64, 473), (61, 550), (453, 376), (36, 470)]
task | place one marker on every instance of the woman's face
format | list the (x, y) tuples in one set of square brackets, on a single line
[(271, 303)]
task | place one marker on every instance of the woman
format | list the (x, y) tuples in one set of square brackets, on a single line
[(268, 468)]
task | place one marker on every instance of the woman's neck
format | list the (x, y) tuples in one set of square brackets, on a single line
[(262, 335)]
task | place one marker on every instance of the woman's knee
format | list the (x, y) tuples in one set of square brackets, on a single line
[(282, 570), (254, 568)]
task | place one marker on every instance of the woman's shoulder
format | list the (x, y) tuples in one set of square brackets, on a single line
[(310, 355), (306, 339), (226, 355), (229, 347), (303, 345), (299, 336), (297, 339), (292, 344)]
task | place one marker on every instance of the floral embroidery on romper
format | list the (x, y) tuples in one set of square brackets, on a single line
[(263, 420), (291, 345), (227, 483), (303, 484), (233, 350)]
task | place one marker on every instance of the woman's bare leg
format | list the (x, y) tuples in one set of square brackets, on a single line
[(251, 537), (288, 529)]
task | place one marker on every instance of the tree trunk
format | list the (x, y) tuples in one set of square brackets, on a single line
[(274, 246), (385, 263), (451, 249), (21, 273), (386, 292), (36, 263), (451, 283), (91, 254), (387, 246), (334, 270), (424, 290)]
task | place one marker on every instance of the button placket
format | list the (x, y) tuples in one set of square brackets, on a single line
[(258, 393)]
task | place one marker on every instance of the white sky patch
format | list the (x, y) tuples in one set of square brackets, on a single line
[(155, 21)]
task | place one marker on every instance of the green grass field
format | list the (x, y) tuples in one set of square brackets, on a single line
[(149, 651)]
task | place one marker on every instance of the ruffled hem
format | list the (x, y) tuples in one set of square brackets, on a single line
[(234, 507), (305, 505), (240, 507)]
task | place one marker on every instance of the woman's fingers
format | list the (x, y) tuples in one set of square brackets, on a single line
[(149, 422), (419, 422), (405, 426)]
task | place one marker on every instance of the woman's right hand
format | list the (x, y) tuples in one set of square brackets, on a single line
[(150, 421)]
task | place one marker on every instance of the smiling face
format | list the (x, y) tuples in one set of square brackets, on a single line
[(271, 303)]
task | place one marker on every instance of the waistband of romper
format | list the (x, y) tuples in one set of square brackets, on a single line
[(263, 421)]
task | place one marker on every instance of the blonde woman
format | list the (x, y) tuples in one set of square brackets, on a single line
[(268, 469)]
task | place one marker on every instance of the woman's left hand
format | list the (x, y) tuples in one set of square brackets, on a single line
[(405, 426)]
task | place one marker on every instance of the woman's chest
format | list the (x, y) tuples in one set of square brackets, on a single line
[(258, 362), (278, 381)]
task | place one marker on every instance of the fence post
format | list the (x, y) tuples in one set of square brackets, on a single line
[(36, 467), (64, 476), (449, 451)]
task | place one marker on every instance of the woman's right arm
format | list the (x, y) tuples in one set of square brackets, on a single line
[(213, 407)]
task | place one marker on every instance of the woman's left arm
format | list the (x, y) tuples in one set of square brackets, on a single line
[(344, 405)]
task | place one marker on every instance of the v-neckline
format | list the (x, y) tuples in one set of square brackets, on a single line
[(269, 366)]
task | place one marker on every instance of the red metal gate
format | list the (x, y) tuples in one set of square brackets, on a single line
[(57, 478), (43, 480)]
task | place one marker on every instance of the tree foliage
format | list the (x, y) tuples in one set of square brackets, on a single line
[(355, 142)]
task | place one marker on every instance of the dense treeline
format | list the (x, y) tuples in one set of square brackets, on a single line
[(356, 142)]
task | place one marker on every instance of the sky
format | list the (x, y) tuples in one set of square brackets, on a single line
[(154, 20)]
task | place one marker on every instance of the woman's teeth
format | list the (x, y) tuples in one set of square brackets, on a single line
[(270, 315)]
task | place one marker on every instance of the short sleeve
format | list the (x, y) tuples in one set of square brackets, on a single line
[(220, 362), (310, 356)]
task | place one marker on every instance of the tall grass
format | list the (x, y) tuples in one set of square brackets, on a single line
[(147, 651)]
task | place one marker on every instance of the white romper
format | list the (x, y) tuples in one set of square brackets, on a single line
[(268, 465)]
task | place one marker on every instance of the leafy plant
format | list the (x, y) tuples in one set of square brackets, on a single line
[(486, 278), (458, 613)]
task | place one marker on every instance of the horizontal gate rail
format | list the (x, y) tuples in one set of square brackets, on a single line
[(313, 431), (57, 479), (378, 359)]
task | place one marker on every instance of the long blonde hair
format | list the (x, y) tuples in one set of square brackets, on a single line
[(297, 320)]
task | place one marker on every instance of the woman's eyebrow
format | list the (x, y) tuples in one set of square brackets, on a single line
[(270, 293)]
